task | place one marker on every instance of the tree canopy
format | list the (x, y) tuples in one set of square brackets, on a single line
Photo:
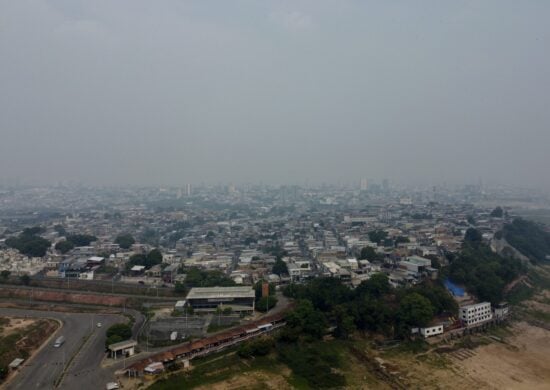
[(368, 253), (118, 332), (374, 306), (154, 257), (483, 272), (125, 241), (529, 238), (64, 246), (29, 244), (81, 239), (196, 277), (377, 236), (497, 212), (473, 236), (280, 267)]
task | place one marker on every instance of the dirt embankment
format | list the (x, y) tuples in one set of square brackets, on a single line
[(60, 296)]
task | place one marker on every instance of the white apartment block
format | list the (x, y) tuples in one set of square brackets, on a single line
[(475, 314)]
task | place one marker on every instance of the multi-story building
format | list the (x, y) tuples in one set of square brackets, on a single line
[(475, 314)]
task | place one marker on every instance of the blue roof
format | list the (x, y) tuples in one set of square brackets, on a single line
[(454, 289)]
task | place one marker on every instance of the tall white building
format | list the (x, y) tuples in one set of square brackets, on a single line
[(475, 314), (364, 185)]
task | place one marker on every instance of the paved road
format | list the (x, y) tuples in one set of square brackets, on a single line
[(84, 344)]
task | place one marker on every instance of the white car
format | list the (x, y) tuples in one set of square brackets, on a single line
[(112, 386), (99, 324)]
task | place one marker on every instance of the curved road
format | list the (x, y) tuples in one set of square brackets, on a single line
[(80, 356)]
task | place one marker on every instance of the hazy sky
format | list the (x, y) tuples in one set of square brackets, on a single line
[(175, 91)]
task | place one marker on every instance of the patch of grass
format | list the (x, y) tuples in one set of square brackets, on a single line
[(213, 369), (539, 315), (520, 293), (213, 327), (500, 331), (434, 360), (539, 277), (413, 346), (315, 363)]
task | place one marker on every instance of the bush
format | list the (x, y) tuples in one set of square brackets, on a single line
[(312, 365), (259, 347), (266, 303), (118, 332)]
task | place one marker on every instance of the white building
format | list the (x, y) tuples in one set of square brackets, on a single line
[(475, 314), (502, 311), (431, 331)]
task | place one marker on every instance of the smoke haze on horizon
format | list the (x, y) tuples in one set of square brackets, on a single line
[(174, 92)]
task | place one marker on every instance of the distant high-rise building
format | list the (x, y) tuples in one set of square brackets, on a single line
[(188, 189), (363, 185)]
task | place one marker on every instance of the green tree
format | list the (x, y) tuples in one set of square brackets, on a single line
[(280, 267), (368, 253), (401, 239), (497, 212), (377, 286), (258, 347), (378, 236), (125, 241), (64, 246), (180, 288), (414, 311), (266, 303), (306, 319), (33, 231), (81, 239), (122, 330), (5, 274), (25, 279), (345, 325), (60, 230), (28, 244), (154, 257), (473, 236)]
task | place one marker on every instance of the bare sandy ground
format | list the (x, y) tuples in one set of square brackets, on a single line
[(522, 364)]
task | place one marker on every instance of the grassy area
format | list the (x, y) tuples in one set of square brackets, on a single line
[(407, 347), (539, 315), (434, 359), (520, 293), (311, 366), (214, 327), (215, 369)]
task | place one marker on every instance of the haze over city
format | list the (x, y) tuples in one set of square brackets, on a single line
[(172, 92)]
